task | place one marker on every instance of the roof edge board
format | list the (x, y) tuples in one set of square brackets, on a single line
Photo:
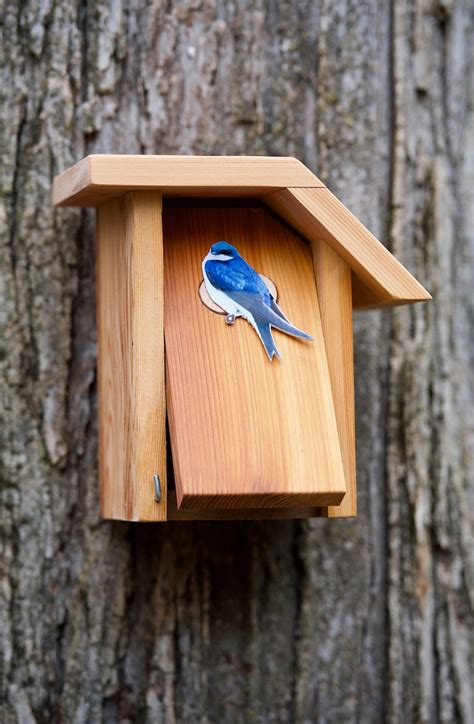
[(99, 177), (68, 184), (319, 216)]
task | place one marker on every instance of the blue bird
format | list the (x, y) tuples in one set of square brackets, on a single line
[(238, 289)]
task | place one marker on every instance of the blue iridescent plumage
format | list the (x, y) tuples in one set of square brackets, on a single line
[(235, 286)]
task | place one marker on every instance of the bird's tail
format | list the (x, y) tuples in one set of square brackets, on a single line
[(290, 329), (267, 339)]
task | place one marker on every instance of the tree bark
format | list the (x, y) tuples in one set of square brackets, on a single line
[(364, 620)]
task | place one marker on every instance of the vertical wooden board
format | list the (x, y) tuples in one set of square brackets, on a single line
[(131, 356), (113, 361), (246, 432), (334, 284)]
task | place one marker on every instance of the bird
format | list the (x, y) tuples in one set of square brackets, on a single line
[(241, 292)]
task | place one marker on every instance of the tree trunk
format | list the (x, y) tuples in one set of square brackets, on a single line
[(364, 620)]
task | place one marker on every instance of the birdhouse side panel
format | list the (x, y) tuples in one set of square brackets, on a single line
[(334, 285), (132, 411), (114, 362)]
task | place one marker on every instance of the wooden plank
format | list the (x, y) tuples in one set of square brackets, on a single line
[(334, 285), (175, 513), (246, 432), (98, 178), (131, 356), (320, 216)]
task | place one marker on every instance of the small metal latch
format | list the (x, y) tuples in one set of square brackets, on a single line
[(157, 484)]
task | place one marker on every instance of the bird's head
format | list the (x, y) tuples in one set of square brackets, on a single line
[(222, 251)]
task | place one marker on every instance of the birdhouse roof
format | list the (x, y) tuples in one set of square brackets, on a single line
[(290, 189)]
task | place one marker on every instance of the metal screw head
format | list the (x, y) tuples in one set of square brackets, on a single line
[(157, 484)]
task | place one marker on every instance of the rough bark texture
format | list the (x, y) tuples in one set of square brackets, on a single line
[(325, 621)]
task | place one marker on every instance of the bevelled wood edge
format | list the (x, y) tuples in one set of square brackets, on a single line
[(101, 177), (180, 514), (319, 216), (280, 501)]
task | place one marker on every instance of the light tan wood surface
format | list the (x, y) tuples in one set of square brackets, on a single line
[(319, 215), (246, 432), (334, 285), (98, 178), (132, 445)]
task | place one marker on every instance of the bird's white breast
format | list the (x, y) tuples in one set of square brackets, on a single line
[(217, 295)]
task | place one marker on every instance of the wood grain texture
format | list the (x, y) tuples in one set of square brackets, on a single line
[(334, 285), (246, 432), (320, 216), (99, 177), (293, 513), (131, 356)]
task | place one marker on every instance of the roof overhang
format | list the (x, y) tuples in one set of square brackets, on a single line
[(290, 189)]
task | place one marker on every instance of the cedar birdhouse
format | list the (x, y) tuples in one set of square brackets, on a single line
[(250, 436)]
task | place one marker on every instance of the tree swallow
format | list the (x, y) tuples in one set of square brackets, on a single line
[(238, 289)]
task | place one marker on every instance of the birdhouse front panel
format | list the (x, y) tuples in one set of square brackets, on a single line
[(248, 428)]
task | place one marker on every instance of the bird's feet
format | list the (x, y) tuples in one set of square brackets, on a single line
[(230, 319)]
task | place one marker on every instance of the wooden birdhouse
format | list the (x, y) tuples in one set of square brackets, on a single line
[(190, 330)]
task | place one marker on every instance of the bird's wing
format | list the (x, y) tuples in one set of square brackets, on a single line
[(222, 277), (277, 309), (255, 304), (274, 306), (237, 275)]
